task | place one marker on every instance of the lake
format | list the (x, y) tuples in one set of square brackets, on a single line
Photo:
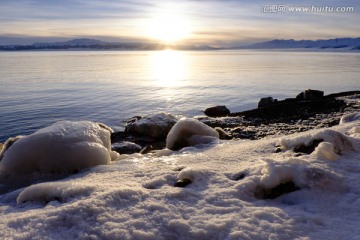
[(40, 88)]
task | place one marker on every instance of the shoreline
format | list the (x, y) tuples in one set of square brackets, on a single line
[(282, 118)]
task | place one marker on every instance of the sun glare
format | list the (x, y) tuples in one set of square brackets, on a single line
[(168, 26), (168, 68)]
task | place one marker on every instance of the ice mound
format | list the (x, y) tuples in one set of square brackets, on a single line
[(190, 132), (351, 117), (64, 147), (333, 143), (53, 191), (299, 172), (355, 132)]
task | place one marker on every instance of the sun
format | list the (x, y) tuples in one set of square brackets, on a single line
[(168, 26)]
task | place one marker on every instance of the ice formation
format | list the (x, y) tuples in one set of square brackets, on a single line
[(350, 117), (62, 147), (335, 143), (236, 192), (190, 132), (53, 191)]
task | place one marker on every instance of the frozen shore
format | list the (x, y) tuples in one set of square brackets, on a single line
[(230, 189)]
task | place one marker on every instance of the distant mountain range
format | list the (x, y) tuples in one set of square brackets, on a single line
[(337, 43), (92, 44)]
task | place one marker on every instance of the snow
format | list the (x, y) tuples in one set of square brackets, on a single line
[(135, 198), (190, 132), (64, 147), (350, 117)]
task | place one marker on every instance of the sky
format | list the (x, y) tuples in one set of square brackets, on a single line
[(214, 22)]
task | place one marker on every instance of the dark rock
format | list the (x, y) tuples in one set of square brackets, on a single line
[(272, 193), (278, 150), (146, 149), (218, 111), (238, 176), (286, 111), (266, 102), (182, 182), (309, 148), (126, 147), (310, 94), (155, 126)]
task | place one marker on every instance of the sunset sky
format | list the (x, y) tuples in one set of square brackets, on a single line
[(215, 22)]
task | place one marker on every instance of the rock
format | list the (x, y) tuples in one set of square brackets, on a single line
[(182, 182), (217, 111), (126, 147), (264, 102), (146, 149), (310, 94), (155, 126), (308, 149), (278, 150), (272, 193), (222, 134)]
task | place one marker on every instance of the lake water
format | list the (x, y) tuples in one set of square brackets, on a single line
[(40, 88)]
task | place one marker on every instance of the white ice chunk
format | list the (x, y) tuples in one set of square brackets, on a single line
[(341, 143), (190, 132), (355, 132), (62, 147), (325, 150), (351, 117), (50, 191)]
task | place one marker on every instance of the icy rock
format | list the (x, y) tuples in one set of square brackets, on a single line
[(350, 117), (126, 147), (155, 126), (339, 141), (190, 132), (7, 145), (52, 191), (217, 111), (62, 147)]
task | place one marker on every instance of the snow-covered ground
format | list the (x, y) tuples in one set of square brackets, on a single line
[(134, 197)]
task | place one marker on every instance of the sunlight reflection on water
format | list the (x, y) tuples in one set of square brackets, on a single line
[(39, 88)]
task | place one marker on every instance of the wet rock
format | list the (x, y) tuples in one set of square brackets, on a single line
[(155, 126), (217, 111), (309, 148), (126, 147), (266, 102), (310, 94), (182, 182)]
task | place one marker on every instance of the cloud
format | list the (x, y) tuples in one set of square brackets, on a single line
[(211, 21)]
